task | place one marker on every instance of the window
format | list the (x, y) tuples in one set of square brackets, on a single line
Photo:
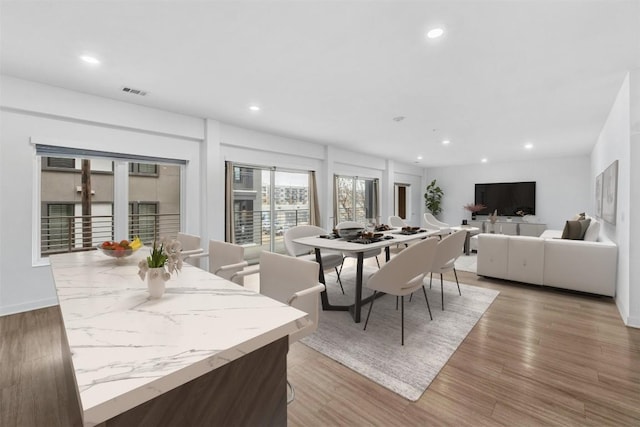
[(72, 219), (57, 223), (143, 169), (356, 199), (144, 221)]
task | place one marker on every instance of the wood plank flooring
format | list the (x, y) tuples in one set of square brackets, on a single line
[(538, 356)]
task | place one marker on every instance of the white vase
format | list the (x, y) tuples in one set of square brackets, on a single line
[(155, 282)]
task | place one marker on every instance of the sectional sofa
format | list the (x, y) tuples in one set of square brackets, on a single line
[(579, 265)]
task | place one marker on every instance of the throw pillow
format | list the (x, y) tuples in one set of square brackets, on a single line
[(574, 230), (593, 232)]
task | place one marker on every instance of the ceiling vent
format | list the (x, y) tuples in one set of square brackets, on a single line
[(134, 91)]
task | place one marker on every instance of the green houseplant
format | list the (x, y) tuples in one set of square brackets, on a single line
[(433, 198)]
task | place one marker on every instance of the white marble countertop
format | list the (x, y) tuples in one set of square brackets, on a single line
[(127, 348)]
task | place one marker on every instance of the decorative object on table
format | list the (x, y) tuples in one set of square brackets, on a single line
[(609, 193), (349, 232), (474, 208), (433, 198), (121, 249), (492, 219), (158, 267)]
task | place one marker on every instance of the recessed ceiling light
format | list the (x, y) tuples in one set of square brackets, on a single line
[(484, 160), (528, 146), (446, 142), (435, 33), (419, 157), (254, 108), (90, 59)]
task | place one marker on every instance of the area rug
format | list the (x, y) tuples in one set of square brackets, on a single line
[(377, 354), (467, 263)]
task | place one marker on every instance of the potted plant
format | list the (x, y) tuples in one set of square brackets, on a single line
[(158, 267), (473, 208), (433, 198)]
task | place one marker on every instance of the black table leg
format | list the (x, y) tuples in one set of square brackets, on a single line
[(326, 305)]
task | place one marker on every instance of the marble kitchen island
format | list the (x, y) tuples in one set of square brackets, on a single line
[(209, 352)]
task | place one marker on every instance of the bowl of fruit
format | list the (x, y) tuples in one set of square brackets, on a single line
[(121, 249)]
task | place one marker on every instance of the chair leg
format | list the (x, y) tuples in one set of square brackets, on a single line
[(341, 265), (396, 303), (456, 274), (291, 395), (339, 281), (427, 300), (369, 313), (377, 262), (402, 317), (442, 291), (411, 297), (430, 279)]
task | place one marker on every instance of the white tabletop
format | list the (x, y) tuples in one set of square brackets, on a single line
[(345, 246), (127, 349)]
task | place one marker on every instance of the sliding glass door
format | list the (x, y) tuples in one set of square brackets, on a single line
[(266, 203)]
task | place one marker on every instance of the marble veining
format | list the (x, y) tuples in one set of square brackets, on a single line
[(127, 348)]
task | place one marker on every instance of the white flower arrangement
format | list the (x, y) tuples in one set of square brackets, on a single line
[(167, 256)]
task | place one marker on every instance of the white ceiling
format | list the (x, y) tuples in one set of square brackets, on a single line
[(504, 73)]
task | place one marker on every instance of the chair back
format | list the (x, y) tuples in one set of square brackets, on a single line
[(222, 254), (190, 245), (396, 221), (296, 249), (282, 276), (449, 249), (432, 220), (405, 270)]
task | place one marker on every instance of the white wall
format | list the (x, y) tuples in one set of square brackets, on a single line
[(53, 116), (615, 143), (32, 111), (562, 188)]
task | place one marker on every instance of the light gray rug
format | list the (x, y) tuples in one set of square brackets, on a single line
[(467, 263), (377, 354)]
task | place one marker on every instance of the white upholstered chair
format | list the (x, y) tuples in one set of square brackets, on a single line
[(436, 227), (190, 246), (396, 221), (403, 275), (225, 260), (448, 251), (292, 281), (330, 259), (366, 254)]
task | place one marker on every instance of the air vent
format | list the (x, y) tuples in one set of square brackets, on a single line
[(134, 91)]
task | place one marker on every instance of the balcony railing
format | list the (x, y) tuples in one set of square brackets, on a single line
[(61, 234), (254, 227)]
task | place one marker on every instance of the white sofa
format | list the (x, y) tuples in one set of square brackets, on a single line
[(586, 266)]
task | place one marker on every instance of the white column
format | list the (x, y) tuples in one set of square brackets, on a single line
[(121, 199), (212, 184), (634, 196)]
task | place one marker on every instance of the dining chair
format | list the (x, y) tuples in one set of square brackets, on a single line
[(225, 260), (366, 254), (448, 251), (190, 246), (396, 221), (292, 281), (403, 275), (330, 259), (436, 227)]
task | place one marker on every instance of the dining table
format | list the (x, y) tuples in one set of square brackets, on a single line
[(358, 245)]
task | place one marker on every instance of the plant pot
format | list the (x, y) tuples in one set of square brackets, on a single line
[(156, 278)]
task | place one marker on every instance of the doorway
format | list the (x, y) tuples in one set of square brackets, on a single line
[(401, 200)]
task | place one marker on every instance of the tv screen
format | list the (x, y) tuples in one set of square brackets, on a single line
[(507, 197)]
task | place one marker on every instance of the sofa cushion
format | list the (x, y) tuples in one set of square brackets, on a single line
[(575, 230), (593, 232)]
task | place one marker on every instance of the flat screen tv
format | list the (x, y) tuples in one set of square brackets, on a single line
[(507, 197)]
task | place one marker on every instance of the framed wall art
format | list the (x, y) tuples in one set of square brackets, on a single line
[(609, 193), (599, 195)]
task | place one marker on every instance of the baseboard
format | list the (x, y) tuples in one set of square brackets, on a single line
[(31, 305), (633, 322)]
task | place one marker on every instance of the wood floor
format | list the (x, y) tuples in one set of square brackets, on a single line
[(537, 357)]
